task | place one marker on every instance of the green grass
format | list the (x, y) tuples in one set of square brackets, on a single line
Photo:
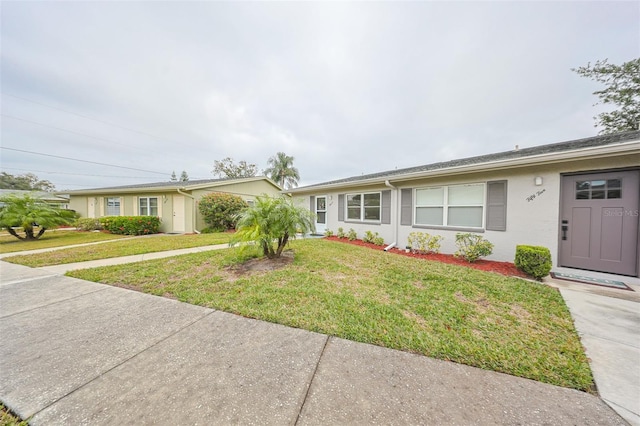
[(443, 311), (9, 419), (52, 238), (149, 244)]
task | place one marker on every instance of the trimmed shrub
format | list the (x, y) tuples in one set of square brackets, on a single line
[(472, 247), (220, 211), (131, 225), (88, 224), (328, 233), (423, 243), (533, 260), (352, 235), (371, 238), (341, 233)]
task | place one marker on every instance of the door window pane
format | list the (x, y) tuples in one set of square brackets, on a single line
[(321, 204), (598, 189), (321, 217)]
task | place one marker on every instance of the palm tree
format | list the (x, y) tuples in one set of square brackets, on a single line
[(28, 212), (281, 170), (270, 221)]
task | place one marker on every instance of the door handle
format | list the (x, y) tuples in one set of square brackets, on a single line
[(565, 228)]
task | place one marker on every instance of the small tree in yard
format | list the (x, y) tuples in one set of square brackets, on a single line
[(220, 210), (273, 221), (28, 212)]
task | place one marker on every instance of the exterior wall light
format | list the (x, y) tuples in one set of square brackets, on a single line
[(538, 180)]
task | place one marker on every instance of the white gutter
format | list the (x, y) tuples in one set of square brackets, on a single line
[(193, 216), (396, 231)]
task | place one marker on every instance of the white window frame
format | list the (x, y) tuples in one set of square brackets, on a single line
[(118, 200), (362, 219), (445, 206), (148, 206)]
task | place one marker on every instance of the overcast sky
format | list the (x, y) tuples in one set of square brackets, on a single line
[(344, 88)]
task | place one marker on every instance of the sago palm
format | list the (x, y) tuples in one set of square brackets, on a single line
[(28, 212)]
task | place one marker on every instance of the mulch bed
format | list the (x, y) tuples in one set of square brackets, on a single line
[(503, 268)]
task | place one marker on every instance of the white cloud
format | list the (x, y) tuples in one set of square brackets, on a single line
[(346, 88)]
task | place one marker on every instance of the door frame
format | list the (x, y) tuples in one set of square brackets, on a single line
[(561, 213), (323, 228)]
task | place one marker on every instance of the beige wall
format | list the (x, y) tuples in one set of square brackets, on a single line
[(192, 218)]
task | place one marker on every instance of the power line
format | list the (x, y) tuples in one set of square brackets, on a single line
[(85, 116), (76, 174), (82, 161), (69, 131)]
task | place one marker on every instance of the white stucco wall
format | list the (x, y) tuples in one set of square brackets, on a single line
[(533, 212)]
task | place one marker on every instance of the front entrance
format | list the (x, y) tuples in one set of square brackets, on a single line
[(178, 214), (599, 222), (321, 214)]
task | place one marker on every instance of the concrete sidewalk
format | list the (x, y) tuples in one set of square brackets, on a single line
[(75, 352)]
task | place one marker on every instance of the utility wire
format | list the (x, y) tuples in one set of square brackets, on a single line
[(69, 131), (82, 161), (85, 116), (76, 174)]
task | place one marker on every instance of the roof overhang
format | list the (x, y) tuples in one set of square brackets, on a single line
[(590, 153)]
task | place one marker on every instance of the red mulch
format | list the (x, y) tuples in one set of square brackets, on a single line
[(503, 268)]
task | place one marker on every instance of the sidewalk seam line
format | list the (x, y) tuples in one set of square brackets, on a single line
[(594, 336), (119, 364), (313, 376), (56, 302)]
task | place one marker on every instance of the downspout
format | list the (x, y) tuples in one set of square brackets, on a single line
[(193, 215), (395, 230)]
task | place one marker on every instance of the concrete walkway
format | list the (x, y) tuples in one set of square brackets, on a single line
[(76, 352)]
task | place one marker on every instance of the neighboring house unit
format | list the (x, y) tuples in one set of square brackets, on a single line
[(578, 198), (176, 203), (57, 200)]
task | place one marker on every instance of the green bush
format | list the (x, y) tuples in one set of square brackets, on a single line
[(221, 211), (352, 235), (533, 260), (88, 224), (207, 230), (131, 225), (472, 247), (340, 233), (373, 238), (328, 233), (368, 237), (423, 243)]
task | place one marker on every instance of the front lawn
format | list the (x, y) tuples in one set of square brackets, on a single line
[(142, 245), (53, 238), (443, 311)]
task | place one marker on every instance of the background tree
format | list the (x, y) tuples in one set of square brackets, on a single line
[(184, 177), (622, 90), (220, 211), (28, 212), (227, 168), (281, 170), (272, 220), (174, 178), (26, 182)]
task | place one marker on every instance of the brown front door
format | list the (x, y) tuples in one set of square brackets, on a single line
[(599, 222)]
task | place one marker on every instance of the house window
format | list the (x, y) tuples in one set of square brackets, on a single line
[(113, 206), (598, 189), (456, 205), (148, 206), (363, 207)]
